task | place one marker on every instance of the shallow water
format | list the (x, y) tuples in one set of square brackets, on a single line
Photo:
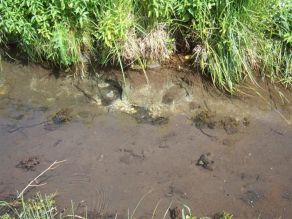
[(112, 161)]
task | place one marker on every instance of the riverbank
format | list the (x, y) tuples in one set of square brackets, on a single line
[(226, 41)]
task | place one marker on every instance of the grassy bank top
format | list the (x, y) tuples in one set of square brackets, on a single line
[(228, 40)]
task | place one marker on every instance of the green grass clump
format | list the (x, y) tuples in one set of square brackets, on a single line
[(39, 207), (56, 31), (230, 40), (242, 38)]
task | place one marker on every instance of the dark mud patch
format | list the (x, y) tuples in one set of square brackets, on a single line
[(130, 156), (29, 164), (58, 119), (205, 161), (251, 197), (205, 119), (144, 116), (208, 119)]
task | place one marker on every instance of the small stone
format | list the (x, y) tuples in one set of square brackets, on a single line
[(205, 162)]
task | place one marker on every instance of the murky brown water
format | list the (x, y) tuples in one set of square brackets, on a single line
[(112, 161)]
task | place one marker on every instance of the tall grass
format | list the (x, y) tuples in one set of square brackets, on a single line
[(230, 40), (236, 39), (56, 31)]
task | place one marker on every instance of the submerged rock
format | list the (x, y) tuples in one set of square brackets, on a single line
[(204, 119), (29, 164), (205, 161), (61, 117), (109, 91), (143, 115)]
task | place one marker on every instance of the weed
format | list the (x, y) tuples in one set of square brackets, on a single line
[(40, 207)]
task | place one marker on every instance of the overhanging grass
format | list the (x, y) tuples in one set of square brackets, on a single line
[(233, 39), (241, 38)]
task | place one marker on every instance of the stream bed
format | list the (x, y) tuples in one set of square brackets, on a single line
[(194, 146)]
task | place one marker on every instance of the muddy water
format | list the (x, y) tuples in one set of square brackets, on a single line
[(112, 161)]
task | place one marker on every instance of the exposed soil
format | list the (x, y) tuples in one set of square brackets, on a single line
[(115, 155)]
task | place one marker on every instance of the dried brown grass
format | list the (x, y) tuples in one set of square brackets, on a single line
[(155, 46)]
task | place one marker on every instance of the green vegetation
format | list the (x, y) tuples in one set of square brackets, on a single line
[(43, 207), (238, 39), (229, 40), (39, 207)]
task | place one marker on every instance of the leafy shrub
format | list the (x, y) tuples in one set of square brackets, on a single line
[(49, 30), (280, 21), (157, 11), (115, 20)]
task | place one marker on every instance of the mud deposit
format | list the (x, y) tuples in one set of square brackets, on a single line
[(194, 146)]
